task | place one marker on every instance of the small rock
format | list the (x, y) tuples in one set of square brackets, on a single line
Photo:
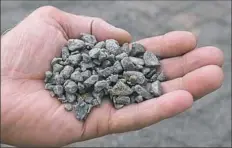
[(151, 73), (91, 80), (88, 38), (100, 85), (106, 72), (74, 59), (137, 61), (65, 53), (139, 77), (97, 62), (67, 71), (146, 70), (138, 99), (102, 56), (75, 44), (112, 46), (142, 92), (49, 86), (122, 100), (113, 78), (62, 99), (86, 74), (85, 66), (68, 107), (105, 64), (156, 88), (58, 79), (56, 61), (125, 48), (85, 57), (95, 52), (117, 67), (118, 106), (81, 110), (71, 87), (89, 46), (101, 44), (111, 58), (150, 59), (121, 89), (81, 87), (70, 97), (87, 97), (76, 76), (75, 52), (97, 97), (161, 77), (57, 68), (137, 49), (121, 56), (48, 76), (58, 90), (127, 64)]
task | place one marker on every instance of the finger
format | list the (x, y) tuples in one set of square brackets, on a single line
[(198, 82), (149, 112), (72, 25), (171, 44), (179, 66)]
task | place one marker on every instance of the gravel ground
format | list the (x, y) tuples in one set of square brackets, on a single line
[(208, 122)]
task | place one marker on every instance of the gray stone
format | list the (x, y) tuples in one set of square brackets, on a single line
[(86, 74), (71, 87), (62, 99), (88, 38), (125, 48), (67, 71), (74, 59), (138, 99), (151, 73), (121, 88), (91, 80), (106, 63), (138, 76), (81, 87), (95, 52), (87, 97), (68, 107), (76, 76), (143, 92), (113, 78), (81, 110), (48, 76), (154, 77), (111, 58), (58, 90), (161, 77), (85, 66), (58, 79), (118, 106), (121, 56), (106, 72), (102, 56), (112, 46), (57, 68), (101, 44), (65, 53), (146, 70), (49, 86), (127, 64), (75, 44), (70, 97), (117, 67), (85, 57), (89, 46), (156, 88), (122, 100), (150, 59), (100, 85), (96, 62), (97, 97), (137, 49), (56, 61), (75, 52), (137, 61)]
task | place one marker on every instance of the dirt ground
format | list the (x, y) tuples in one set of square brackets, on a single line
[(208, 122)]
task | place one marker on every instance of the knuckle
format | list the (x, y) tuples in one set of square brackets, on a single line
[(46, 10)]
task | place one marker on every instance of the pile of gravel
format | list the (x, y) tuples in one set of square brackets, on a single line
[(88, 71)]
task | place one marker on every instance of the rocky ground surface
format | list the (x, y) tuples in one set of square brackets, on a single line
[(208, 122)]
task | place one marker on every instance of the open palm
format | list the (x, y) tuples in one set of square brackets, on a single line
[(30, 116)]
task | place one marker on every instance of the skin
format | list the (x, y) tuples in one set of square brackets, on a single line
[(30, 117)]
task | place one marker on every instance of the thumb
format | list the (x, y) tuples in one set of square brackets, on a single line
[(72, 25)]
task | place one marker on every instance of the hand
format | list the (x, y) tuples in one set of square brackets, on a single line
[(30, 117)]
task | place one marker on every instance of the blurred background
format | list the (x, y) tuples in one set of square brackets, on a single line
[(208, 122)]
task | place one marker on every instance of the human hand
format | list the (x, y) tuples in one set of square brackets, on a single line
[(31, 117)]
